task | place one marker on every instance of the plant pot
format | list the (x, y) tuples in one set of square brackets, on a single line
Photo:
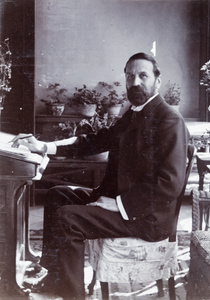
[(175, 107), (87, 110), (55, 109), (114, 110)]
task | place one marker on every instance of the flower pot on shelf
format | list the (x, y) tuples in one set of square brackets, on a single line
[(175, 107), (112, 110), (83, 102), (55, 109), (54, 99), (86, 110), (112, 99)]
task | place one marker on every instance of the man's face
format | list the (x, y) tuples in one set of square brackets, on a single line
[(141, 82)]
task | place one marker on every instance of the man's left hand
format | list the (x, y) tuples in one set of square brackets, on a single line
[(106, 203)]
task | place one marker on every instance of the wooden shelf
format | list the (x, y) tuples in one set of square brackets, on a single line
[(58, 119)]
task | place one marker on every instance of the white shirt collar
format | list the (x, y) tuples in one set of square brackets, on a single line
[(140, 107)]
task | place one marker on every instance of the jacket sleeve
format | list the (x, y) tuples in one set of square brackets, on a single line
[(88, 144)]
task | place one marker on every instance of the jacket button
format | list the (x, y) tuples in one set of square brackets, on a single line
[(134, 218)]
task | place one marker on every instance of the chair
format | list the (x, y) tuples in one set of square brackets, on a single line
[(134, 260), (199, 271)]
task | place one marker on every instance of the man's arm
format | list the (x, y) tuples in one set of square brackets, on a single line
[(40, 147)]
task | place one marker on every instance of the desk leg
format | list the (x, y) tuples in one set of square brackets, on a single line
[(11, 237), (29, 253)]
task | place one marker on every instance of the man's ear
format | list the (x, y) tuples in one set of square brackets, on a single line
[(158, 82)]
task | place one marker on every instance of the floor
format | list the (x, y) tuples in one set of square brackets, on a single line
[(126, 292)]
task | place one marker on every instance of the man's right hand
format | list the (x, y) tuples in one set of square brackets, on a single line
[(29, 141)]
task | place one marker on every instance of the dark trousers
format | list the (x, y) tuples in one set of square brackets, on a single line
[(68, 222)]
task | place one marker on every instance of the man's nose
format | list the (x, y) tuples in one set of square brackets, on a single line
[(136, 80)]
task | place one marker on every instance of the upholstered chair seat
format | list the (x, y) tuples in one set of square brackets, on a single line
[(132, 259)]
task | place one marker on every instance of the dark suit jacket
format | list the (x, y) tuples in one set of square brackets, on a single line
[(147, 161)]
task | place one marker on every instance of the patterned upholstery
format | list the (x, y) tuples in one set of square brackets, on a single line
[(132, 259)]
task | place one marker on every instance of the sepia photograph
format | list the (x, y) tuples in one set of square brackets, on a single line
[(104, 149)]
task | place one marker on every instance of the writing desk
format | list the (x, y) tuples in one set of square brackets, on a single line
[(16, 175)]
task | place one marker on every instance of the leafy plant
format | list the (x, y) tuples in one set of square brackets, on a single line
[(172, 93), (112, 97), (96, 123), (5, 69), (84, 96), (70, 128), (205, 72), (203, 141), (55, 94)]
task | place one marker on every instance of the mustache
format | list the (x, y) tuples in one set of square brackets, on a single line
[(135, 89)]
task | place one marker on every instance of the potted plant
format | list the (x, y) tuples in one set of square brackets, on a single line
[(5, 70), (84, 101), (93, 125), (172, 94), (202, 143), (55, 99), (205, 75), (112, 101)]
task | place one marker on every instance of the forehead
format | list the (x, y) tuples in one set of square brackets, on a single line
[(139, 65)]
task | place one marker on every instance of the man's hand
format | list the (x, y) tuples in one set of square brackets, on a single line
[(106, 203), (29, 141)]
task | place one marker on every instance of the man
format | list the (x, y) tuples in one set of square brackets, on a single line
[(137, 197)]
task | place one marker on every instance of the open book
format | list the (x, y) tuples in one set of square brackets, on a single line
[(22, 153)]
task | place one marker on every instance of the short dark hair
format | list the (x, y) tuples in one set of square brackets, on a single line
[(142, 55)]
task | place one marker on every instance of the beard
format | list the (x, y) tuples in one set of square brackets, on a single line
[(138, 96)]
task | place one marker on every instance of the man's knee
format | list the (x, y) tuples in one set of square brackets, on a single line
[(69, 219), (69, 212), (60, 190)]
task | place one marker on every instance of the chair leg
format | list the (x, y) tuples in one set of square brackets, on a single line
[(160, 288), (91, 285), (105, 290), (171, 287)]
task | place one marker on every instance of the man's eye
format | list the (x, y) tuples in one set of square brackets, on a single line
[(143, 76), (130, 76)]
